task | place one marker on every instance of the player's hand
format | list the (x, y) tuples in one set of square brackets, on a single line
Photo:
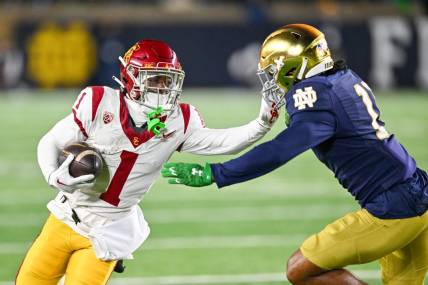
[(268, 114), (190, 174), (62, 180)]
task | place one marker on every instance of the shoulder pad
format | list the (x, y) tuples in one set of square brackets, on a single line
[(107, 90), (85, 107), (195, 121)]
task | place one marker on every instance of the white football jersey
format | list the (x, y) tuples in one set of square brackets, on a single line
[(133, 156)]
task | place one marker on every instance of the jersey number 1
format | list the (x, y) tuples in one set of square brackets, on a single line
[(127, 161), (361, 90)]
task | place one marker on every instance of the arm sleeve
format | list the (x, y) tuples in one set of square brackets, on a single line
[(306, 131), (74, 127), (62, 134), (206, 141)]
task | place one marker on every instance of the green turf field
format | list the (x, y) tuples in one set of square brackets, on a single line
[(240, 235)]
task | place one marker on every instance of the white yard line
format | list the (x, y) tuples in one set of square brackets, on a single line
[(179, 243), (222, 279), (211, 215), (41, 195), (202, 279), (224, 242), (216, 279), (275, 186), (236, 214)]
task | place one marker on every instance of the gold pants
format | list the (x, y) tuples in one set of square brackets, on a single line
[(59, 251), (359, 237)]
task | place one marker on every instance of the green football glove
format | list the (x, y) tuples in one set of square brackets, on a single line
[(190, 174)]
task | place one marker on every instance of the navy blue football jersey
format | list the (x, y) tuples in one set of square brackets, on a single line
[(336, 116), (361, 153)]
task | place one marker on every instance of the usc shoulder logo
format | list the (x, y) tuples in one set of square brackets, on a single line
[(130, 51), (107, 117)]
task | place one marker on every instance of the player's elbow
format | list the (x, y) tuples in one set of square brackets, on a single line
[(45, 142), (46, 155)]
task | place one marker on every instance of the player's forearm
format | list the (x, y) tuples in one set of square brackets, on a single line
[(47, 155), (271, 155), (224, 141), (63, 133)]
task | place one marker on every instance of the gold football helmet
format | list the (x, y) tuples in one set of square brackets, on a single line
[(288, 55)]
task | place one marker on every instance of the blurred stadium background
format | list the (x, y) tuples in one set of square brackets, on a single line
[(244, 234)]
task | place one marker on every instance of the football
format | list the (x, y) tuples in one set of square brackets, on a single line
[(87, 160)]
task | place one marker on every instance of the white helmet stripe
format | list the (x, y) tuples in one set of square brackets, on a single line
[(324, 65), (303, 68)]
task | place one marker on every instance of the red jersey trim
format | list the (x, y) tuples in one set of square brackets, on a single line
[(185, 110), (80, 100), (97, 95), (200, 118), (79, 123), (135, 138)]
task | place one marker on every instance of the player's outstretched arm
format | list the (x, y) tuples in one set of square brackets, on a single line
[(208, 141), (299, 137)]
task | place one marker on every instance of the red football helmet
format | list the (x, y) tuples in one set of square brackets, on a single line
[(151, 75)]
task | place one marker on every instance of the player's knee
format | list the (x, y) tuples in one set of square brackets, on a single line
[(28, 274), (293, 270), (292, 277), (293, 274), (22, 277), (25, 278)]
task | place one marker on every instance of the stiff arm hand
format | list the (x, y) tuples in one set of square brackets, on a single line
[(268, 114), (190, 174)]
